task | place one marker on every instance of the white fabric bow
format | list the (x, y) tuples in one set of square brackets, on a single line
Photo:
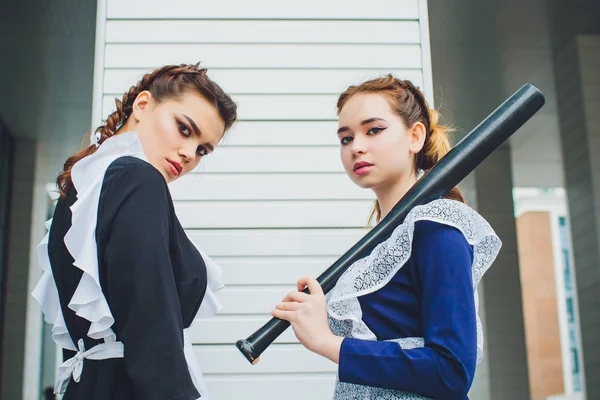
[(74, 365)]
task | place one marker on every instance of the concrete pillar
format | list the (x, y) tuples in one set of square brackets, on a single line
[(577, 74), (505, 332), (19, 258)]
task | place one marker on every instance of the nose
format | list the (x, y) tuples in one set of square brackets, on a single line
[(359, 145), (188, 152)]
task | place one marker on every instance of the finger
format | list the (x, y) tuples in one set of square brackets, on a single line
[(313, 286), (289, 306), (296, 296), (284, 315), (301, 284)]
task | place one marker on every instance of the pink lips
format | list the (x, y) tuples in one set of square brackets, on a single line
[(362, 167), (175, 167)]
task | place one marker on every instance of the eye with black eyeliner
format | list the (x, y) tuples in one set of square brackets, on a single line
[(183, 129), (375, 130), (202, 151)]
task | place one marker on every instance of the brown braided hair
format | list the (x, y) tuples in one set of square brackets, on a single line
[(164, 83), (409, 103)]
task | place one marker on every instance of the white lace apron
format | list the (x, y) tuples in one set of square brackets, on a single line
[(88, 301), (373, 272)]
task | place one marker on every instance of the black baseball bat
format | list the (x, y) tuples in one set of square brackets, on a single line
[(446, 174)]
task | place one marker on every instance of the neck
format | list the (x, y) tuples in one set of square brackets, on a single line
[(390, 195), (126, 127)]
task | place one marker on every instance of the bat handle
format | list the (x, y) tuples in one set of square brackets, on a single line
[(246, 348), (253, 346)]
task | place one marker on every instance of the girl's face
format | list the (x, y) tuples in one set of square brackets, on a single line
[(176, 133), (376, 147)]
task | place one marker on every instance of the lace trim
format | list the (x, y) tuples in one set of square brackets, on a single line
[(351, 391)]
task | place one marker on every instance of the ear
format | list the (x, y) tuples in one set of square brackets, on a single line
[(141, 104), (417, 135)]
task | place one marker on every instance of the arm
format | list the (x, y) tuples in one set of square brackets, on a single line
[(444, 368), (141, 286)]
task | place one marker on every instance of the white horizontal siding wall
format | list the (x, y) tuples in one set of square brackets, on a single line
[(272, 203)]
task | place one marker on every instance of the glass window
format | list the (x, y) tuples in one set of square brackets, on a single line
[(570, 311)]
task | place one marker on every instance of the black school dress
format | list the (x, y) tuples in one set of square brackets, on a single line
[(152, 278)]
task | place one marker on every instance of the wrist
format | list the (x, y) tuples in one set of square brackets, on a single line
[(330, 347)]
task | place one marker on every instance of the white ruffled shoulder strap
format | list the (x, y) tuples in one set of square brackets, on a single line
[(88, 301), (371, 273)]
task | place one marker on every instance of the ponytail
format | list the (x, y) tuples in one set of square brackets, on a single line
[(437, 145)]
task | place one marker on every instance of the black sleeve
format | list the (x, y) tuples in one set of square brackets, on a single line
[(141, 285)]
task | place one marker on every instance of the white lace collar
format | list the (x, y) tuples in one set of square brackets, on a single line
[(371, 273), (88, 301)]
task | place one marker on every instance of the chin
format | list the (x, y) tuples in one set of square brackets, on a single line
[(364, 182)]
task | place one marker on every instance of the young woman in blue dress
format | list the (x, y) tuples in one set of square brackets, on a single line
[(402, 322)]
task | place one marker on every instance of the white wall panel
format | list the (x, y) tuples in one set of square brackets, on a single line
[(282, 358), (271, 31), (270, 270), (273, 160), (274, 214), (265, 9), (270, 81), (282, 133), (275, 242), (294, 386), (238, 300), (245, 186), (388, 56), (272, 107)]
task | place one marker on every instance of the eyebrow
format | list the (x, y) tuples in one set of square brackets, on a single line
[(365, 122), (198, 131)]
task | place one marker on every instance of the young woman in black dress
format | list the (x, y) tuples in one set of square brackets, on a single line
[(122, 281)]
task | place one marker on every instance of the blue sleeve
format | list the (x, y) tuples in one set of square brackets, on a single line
[(444, 368)]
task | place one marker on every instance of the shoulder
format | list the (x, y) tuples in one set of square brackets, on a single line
[(445, 219), (134, 174), (133, 167), (440, 250), (130, 180), (431, 234), (442, 228)]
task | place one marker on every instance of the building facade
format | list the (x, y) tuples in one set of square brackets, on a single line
[(273, 203)]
